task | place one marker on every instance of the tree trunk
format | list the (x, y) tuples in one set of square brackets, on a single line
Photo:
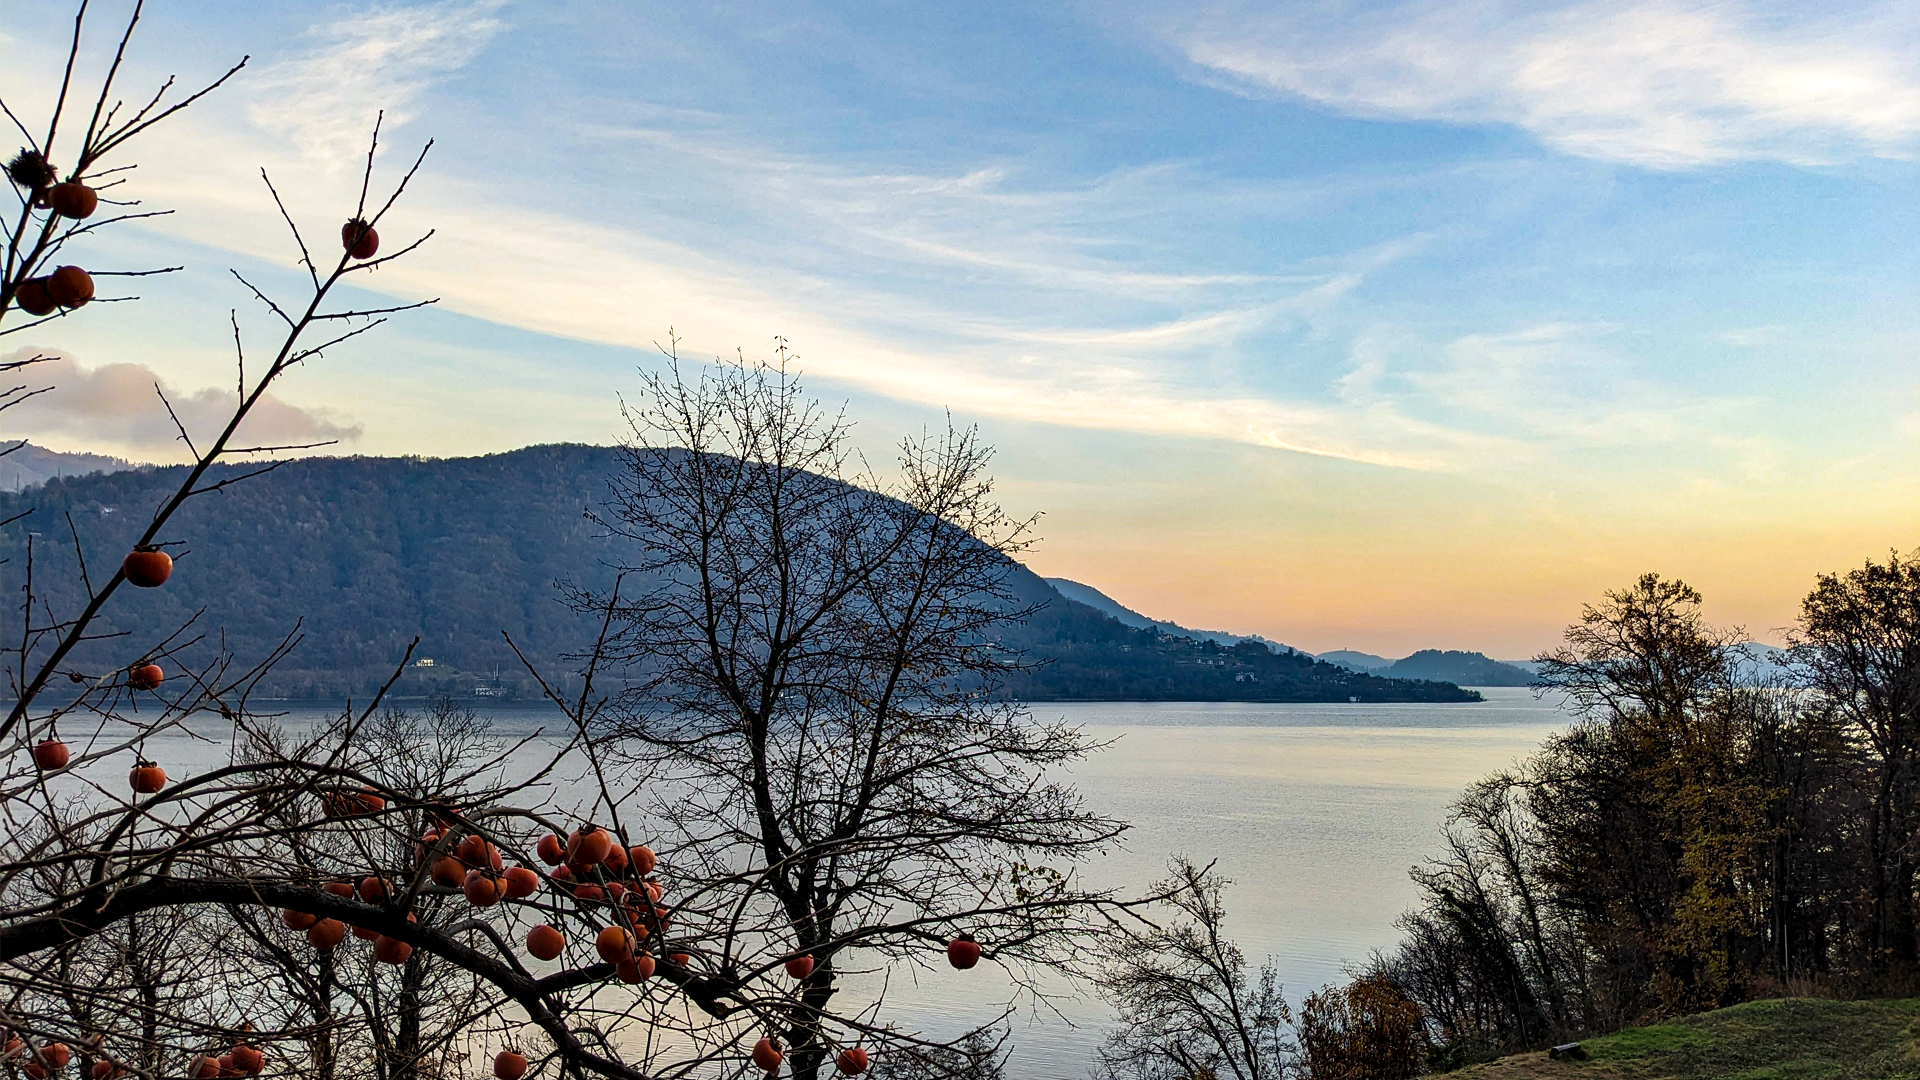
[(323, 1063), (1883, 935), (808, 1049), (406, 1042), (140, 965)]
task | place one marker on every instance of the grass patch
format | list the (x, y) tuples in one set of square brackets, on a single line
[(1785, 1039), (1635, 1043)]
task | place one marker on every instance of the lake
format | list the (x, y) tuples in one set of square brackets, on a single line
[(1314, 811)]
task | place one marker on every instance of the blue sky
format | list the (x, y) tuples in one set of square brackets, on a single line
[(1382, 325)]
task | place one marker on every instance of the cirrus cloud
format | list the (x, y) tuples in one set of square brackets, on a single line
[(325, 100), (1659, 84)]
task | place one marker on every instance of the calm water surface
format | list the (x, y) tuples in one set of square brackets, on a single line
[(1314, 811)]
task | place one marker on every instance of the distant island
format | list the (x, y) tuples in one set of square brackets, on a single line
[(357, 555), (1450, 665)]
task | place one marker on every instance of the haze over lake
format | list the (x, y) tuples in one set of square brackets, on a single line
[(1314, 810)]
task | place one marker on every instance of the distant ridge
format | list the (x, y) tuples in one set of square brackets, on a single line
[(31, 465), (1356, 661), (1454, 666), (1753, 663), (357, 556), (1101, 602), (1451, 665), (1430, 665)]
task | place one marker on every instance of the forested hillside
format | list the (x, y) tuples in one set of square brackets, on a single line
[(1107, 605), (1452, 665), (358, 555)]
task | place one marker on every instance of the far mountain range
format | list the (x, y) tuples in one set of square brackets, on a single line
[(1433, 665)]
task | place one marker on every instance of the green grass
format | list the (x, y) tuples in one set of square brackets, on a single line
[(1787, 1039)]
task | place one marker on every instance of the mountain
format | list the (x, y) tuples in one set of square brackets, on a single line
[(354, 556), (1755, 663), (1091, 656), (28, 465), (1101, 602), (1433, 665), (1358, 661), (1464, 668)]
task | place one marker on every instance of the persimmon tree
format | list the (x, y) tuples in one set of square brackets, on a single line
[(803, 728)]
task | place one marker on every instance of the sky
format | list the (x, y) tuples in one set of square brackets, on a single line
[(1384, 325)]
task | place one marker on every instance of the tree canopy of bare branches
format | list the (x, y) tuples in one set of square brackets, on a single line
[(1186, 1007), (813, 659)]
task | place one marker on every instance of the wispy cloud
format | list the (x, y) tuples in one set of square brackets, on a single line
[(1552, 395), (980, 217), (119, 406), (1751, 336), (965, 289), (325, 100), (1043, 328), (1659, 84), (1131, 379), (993, 287)]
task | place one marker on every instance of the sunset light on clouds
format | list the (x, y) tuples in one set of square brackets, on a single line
[(1382, 326)]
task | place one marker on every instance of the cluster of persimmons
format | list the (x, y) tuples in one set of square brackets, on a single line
[(39, 1063), (67, 286)]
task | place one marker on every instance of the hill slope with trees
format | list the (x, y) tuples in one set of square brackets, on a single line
[(1452, 665), (1101, 602), (25, 465), (355, 556)]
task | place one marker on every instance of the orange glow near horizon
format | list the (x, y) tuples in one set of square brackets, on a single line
[(1327, 557)]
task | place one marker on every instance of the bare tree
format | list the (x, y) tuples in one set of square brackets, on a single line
[(387, 1022), (130, 929), (57, 207), (1645, 654), (55, 214), (1187, 1010), (813, 715)]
